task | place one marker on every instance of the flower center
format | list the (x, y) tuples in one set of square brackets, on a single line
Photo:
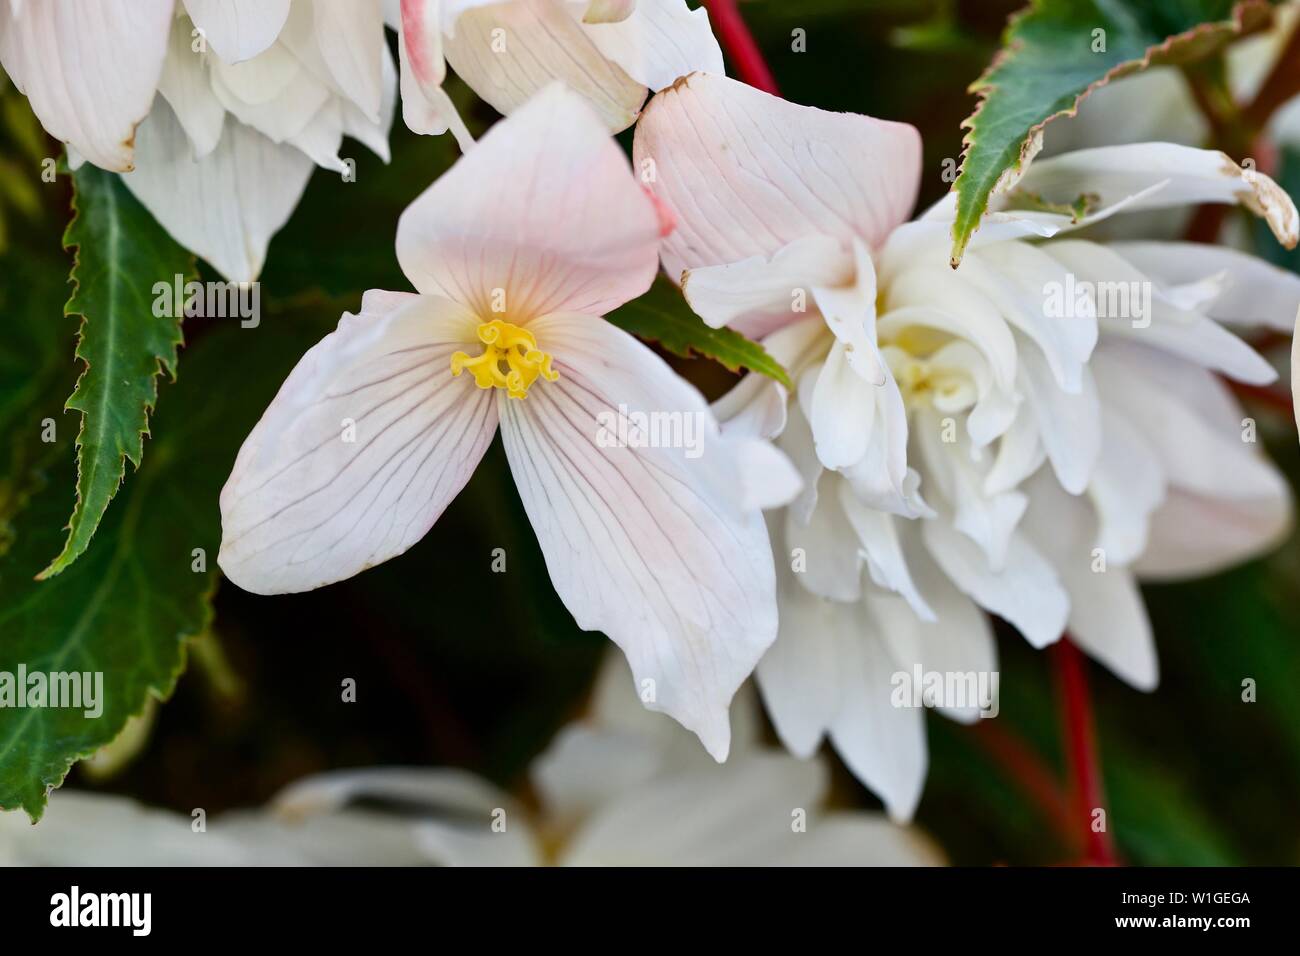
[(510, 359)]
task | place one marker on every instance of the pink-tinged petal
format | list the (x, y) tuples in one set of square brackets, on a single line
[(367, 442), (225, 206), (90, 69), (647, 544), (655, 42), (746, 173), (238, 30), (542, 215), (1194, 535)]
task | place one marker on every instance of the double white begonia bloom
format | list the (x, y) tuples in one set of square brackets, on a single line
[(994, 438), (517, 251), (621, 788), (254, 93), (611, 52)]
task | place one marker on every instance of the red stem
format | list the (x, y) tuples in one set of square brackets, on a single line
[(1035, 779), (1080, 744), (739, 44)]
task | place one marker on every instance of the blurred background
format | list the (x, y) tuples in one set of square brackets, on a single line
[(457, 665)]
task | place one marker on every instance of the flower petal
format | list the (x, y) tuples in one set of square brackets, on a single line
[(1257, 292), (225, 206), (238, 30), (89, 68), (507, 52), (647, 544), (882, 744), (746, 173), (1185, 175), (368, 440), (656, 41), (542, 213), (350, 34)]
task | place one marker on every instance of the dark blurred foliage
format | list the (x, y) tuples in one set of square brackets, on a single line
[(456, 664)]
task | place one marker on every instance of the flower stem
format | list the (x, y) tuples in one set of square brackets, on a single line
[(1080, 745), (1034, 778), (739, 45)]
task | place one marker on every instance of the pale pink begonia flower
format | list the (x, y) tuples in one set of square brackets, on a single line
[(517, 251)]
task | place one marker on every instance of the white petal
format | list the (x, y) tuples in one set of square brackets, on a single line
[(658, 41), (843, 411), (958, 641), (350, 34), (507, 52), (1069, 426), (1026, 592), (368, 440), (238, 29), (1107, 616), (1257, 292), (830, 549), (1127, 486), (188, 90), (799, 674), (1185, 175), (882, 744), (89, 69), (746, 173), (542, 213), (1156, 321), (644, 543), (722, 294), (882, 550), (860, 839), (1194, 535), (1015, 276), (225, 206), (721, 816)]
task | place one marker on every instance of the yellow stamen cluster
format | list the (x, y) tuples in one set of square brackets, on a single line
[(510, 359)]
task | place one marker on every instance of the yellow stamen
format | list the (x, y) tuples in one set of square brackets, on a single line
[(510, 359)]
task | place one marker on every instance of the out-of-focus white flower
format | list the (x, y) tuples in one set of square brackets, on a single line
[(253, 93), (608, 51), (1000, 437), (628, 788), (648, 517), (622, 788)]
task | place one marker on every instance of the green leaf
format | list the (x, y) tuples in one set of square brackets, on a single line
[(121, 253), (141, 590), (662, 315), (1052, 57)]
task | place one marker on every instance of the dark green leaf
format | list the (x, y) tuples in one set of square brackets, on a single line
[(662, 315), (143, 587), (121, 253), (1057, 51)]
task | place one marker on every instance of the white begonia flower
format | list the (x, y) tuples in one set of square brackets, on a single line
[(517, 251), (250, 95), (611, 52), (621, 788), (994, 437)]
